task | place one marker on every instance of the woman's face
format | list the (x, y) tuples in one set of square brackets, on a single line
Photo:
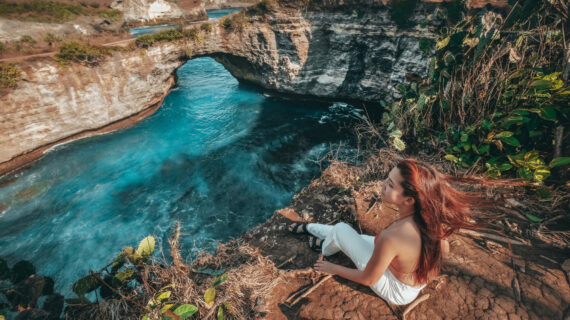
[(392, 188)]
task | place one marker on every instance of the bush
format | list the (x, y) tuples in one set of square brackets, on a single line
[(50, 39), (81, 53), (43, 11), (9, 75), (2, 47), (94, 5), (164, 36), (206, 27), (26, 39), (111, 15)]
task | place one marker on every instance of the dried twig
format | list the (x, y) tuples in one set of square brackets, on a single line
[(414, 304), (316, 285)]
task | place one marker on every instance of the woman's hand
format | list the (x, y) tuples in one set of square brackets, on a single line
[(325, 266)]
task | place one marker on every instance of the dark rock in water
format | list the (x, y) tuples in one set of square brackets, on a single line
[(54, 305), (26, 293), (48, 286), (4, 270), (33, 314), (21, 271)]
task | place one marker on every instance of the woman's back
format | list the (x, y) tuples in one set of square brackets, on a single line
[(407, 235)]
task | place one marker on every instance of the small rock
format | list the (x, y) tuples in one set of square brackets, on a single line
[(21, 271), (305, 214), (54, 304)]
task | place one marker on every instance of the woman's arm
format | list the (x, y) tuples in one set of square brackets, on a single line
[(384, 252)]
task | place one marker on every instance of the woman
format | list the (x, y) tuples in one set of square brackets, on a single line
[(400, 260)]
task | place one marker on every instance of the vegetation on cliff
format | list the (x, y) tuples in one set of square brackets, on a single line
[(494, 97), (52, 11), (9, 75)]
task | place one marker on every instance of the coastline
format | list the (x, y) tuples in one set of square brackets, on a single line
[(27, 160)]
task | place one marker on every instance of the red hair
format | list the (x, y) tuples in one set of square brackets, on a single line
[(439, 209)]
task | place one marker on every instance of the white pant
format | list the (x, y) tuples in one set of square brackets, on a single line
[(359, 248)]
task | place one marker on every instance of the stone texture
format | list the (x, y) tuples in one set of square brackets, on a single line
[(145, 10)]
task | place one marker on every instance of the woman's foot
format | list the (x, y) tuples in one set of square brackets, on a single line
[(298, 228), (315, 244)]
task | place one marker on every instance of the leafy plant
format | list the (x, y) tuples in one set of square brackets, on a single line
[(82, 53), (9, 75)]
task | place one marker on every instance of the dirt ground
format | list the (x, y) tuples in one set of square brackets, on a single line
[(512, 270)]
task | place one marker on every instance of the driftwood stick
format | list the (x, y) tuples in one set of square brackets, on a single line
[(287, 261), (414, 304), (312, 288)]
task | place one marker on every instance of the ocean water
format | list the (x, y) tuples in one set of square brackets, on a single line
[(212, 14), (218, 156)]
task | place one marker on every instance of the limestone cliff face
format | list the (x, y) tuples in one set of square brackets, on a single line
[(339, 54), (53, 102), (343, 54), (145, 10)]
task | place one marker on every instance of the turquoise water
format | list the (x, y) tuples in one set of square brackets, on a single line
[(217, 156), (212, 14)]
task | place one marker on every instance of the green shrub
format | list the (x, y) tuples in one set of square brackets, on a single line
[(226, 23), (111, 15), (50, 39), (27, 40), (2, 47), (9, 75), (81, 53), (164, 36), (94, 5), (43, 11), (207, 27)]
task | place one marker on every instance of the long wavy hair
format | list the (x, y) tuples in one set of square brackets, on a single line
[(440, 209)]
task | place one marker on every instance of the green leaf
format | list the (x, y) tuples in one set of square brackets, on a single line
[(220, 315), (399, 144), (442, 43), (421, 103), (504, 134), (464, 137), (505, 167), (486, 124), (541, 174), (541, 84), (548, 114), (166, 307), (532, 218), (390, 126), (341, 190), (451, 157), (122, 277), (146, 247), (163, 296), (85, 285), (186, 310), (553, 76), (512, 141), (484, 149), (525, 173), (396, 133), (560, 161), (209, 271), (220, 279), (209, 296)]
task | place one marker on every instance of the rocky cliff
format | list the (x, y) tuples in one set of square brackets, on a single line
[(352, 53), (145, 10)]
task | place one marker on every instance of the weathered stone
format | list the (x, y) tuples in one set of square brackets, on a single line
[(21, 271), (53, 304)]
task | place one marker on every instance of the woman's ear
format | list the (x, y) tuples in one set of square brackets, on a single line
[(410, 201)]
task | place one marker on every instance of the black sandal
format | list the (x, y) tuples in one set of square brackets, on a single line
[(296, 225), (314, 246)]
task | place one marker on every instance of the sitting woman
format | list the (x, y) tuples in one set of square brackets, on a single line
[(400, 260)]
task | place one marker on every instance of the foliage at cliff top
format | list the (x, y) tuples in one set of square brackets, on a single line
[(179, 33), (494, 97), (9, 75), (83, 53), (52, 11)]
